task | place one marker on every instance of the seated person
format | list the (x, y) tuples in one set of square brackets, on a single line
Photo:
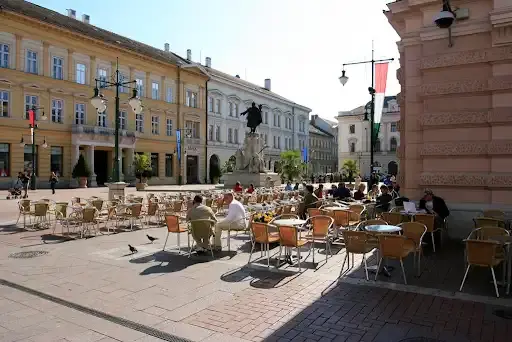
[(435, 205), (288, 187), (342, 192), (375, 191), (238, 187), (296, 187), (250, 190), (320, 191), (392, 192), (333, 190), (359, 194), (384, 199), (235, 219), (310, 200), (202, 231)]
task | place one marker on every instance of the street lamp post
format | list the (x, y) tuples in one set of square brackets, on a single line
[(100, 103), (33, 127), (178, 151), (344, 79)]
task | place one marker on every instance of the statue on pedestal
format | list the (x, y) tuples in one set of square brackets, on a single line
[(253, 117), (249, 157)]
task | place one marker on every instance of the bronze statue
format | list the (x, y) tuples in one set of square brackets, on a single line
[(253, 117)]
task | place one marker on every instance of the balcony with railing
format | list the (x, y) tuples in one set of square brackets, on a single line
[(86, 134)]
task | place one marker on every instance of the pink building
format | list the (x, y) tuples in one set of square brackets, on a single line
[(456, 105)]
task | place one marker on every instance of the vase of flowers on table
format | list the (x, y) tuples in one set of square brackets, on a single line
[(264, 217)]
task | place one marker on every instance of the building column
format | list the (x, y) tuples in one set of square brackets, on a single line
[(90, 161), (19, 53), (75, 154), (46, 60), (129, 156)]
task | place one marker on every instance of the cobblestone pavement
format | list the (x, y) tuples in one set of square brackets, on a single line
[(201, 299)]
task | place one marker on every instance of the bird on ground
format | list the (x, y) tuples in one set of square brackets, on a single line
[(132, 249), (151, 238)]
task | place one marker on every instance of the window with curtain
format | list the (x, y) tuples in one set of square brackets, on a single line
[(5, 170), (57, 160), (154, 164), (27, 159), (169, 165)]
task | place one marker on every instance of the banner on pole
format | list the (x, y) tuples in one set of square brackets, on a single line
[(178, 143), (381, 77)]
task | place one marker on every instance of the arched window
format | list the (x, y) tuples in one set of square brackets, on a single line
[(352, 147), (376, 147), (393, 144)]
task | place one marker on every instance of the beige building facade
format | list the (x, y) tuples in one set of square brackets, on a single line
[(50, 60), (456, 105)]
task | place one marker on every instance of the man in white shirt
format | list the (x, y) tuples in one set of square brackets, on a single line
[(235, 220)]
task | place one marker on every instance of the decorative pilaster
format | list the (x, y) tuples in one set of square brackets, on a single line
[(19, 53), (147, 86), (90, 161), (71, 66), (162, 89), (46, 59), (92, 72)]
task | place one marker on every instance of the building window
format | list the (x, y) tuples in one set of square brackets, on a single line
[(4, 56), (4, 160), (31, 63), (168, 127), (80, 73), (302, 126), (265, 118), (210, 104), (235, 133), (230, 108), (122, 119), (57, 106), (169, 165), (191, 99), (352, 129), (27, 159), (392, 128), (56, 160), (57, 68), (217, 133), (352, 147), (102, 76), (279, 121), (80, 113), (102, 119), (194, 128), (154, 164), (122, 78), (155, 93), (217, 106), (230, 135), (275, 120), (139, 123), (31, 101), (266, 139), (169, 95), (139, 85), (278, 142), (376, 146), (4, 104), (155, 125), (393, 144), (210, 132)]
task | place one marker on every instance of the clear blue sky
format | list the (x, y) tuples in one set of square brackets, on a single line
[(299, 44)]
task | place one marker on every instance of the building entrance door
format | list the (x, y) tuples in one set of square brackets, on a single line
[(192, 169), (100, 167)]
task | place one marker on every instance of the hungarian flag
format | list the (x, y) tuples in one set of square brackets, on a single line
[(381, 77), (32, 119)]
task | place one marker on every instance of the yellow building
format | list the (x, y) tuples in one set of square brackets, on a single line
[(51, 61)]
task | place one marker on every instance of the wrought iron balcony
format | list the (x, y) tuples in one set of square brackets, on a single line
[(100, 130)]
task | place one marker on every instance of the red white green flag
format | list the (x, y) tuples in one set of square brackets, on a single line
[(381, 77)]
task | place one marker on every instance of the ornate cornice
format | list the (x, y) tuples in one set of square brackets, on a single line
[(498, 83), (467, 57), (496, 116), (467, 148), (491, 180)]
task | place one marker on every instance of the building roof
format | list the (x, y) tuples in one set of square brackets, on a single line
[(62, 21), (360, 110), (315, 130), (255, 87)]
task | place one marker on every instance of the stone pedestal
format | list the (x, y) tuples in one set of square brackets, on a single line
[(245, 178), (116, 189)]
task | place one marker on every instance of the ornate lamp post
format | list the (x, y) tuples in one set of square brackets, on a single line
[(371, 90), (33, 127), (179, 146), (100, 103)]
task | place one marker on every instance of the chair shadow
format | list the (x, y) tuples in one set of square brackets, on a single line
[(259, 278), (175, 262)]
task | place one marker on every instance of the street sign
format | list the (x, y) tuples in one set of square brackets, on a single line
[(178, 143)]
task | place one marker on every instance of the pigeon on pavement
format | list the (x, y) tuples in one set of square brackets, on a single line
[(151, 238), (132, 249)]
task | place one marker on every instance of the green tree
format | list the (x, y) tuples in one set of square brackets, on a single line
[(81, 169), (350, 169), (291, 165), (142, 166)]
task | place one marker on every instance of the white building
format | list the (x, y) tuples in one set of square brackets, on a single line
[(354, 138), (285, 123)]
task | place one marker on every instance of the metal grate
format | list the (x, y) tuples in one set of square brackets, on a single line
[(114, 319), (27, 254)]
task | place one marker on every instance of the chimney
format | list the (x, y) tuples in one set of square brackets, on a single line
[(71, 13), (267, 84), (208, 62), (86, 18), (166, 47), (189, 55), (237, 76)]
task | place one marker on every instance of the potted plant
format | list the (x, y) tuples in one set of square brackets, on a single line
[(142, 169), (215, 173), (81, 172)]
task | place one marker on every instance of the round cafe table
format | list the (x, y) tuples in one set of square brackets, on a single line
[(335, 208), (289, 222), (383, 228)]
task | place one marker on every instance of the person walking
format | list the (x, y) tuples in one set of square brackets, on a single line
[(53, 180)]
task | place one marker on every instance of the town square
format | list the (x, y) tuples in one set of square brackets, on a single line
[(151, 194)]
